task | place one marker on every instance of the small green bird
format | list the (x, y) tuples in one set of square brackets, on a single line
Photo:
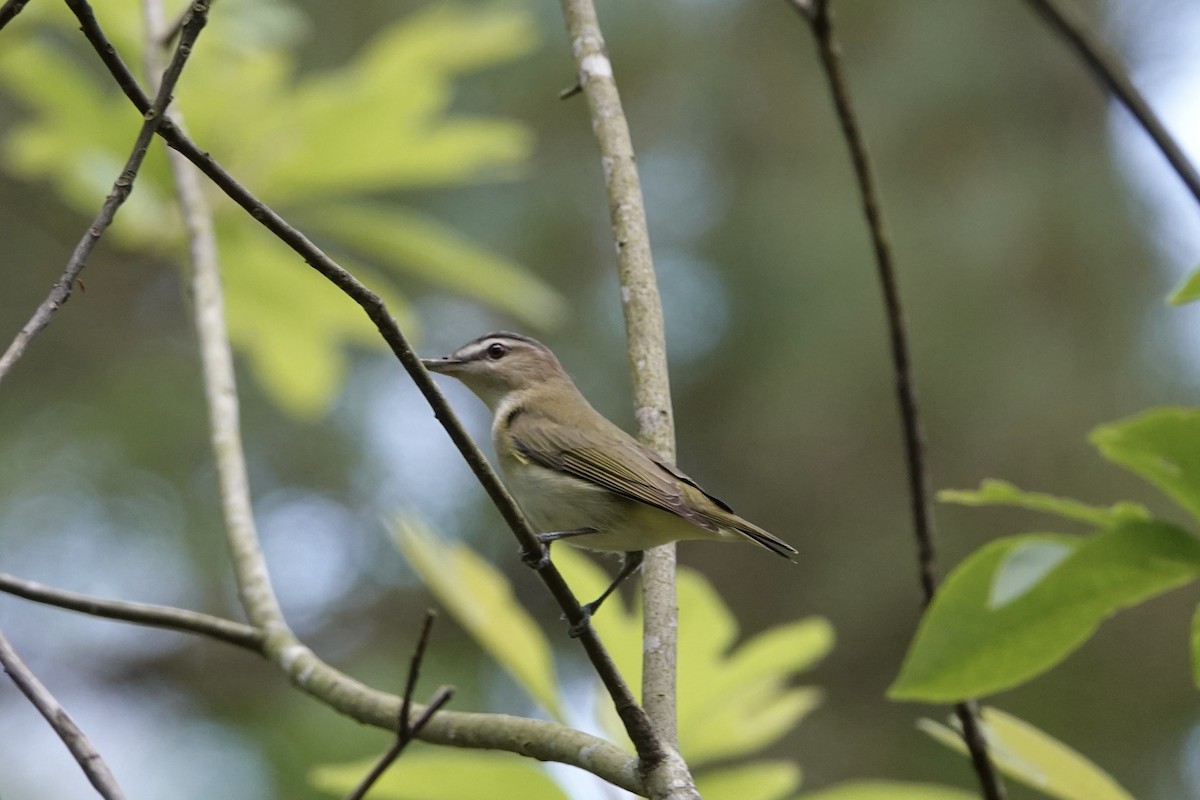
[(576, 475)]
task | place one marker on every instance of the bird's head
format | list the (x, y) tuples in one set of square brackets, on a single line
[(498, 364)]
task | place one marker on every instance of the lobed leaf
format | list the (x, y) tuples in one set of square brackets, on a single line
[(480, 598)]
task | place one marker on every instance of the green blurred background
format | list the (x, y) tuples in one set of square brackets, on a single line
[(1036, 240)]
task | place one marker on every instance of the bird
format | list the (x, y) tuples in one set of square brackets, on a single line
[(577, 476)]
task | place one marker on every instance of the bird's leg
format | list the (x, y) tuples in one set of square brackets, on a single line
[(633, 560), (538, 560)]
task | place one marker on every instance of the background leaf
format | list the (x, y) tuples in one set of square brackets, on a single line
[(759, 780), (1188, 291), (426, 773), (481, 600), (1002, 493), (1163, 446), (889, 790), (1025, 753), (967, 646)]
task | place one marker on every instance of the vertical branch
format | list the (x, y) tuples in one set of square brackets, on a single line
[(1106, 67), (646, 341), (81, 748), (816, 12), (216, 356)]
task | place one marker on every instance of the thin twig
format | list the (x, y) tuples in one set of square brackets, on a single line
[(821, 23), (9, 10), (61, 291), (414, 673), (405, 730), (90, 762), (439, 699), (282, 647), (646, 342), (1106, 67), (153, 616)]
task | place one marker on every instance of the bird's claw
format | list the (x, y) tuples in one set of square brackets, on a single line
[(536, 559), (577, 628)]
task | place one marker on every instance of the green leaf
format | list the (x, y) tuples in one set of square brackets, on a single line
[(989, 630), (1188, 291), (1001, 493), (1034, 758), (759, 780), (480, 598), (442, 774), (1162, 446), (417, 246), (889, 790), (731, 700), (291, 323), (1196, 647)]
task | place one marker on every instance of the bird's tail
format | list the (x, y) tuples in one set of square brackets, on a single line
[(773, 543)]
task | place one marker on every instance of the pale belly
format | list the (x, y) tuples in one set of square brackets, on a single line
[(555, 502)]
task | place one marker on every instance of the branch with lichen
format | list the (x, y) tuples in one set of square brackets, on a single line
[(646, 342)]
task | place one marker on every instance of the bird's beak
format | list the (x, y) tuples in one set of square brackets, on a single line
[(443, 364)]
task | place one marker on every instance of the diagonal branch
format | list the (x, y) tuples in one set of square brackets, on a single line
[(61, 291), (816, 12), (646, 342), (1106, 67), (81, 748), (9, 10), (282, 646), (154, 616)]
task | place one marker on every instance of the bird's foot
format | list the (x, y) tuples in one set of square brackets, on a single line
[(535, 559), (576, 630)]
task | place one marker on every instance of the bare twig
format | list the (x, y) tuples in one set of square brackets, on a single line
[(9, 10), (282, 647), (81, 748), (153, 616), (820, 21), (646, 343), (406, 730), (1106, 67), (61, 292)]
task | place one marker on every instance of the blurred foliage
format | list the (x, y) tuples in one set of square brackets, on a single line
[(312, 146), (1032, 269), (1023, 752), (731, 701), (1021, 604)]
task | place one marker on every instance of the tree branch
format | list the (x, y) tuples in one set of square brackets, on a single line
[(407, 728), (1105, 66), (545, 741), (61, 291), (646, 342), (9, 10), (153, 616), (89, 760), (282, 647), (816, 13)]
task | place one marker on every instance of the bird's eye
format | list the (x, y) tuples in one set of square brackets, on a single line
[(496, 351)]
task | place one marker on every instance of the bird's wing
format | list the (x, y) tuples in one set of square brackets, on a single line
[(613, 460)]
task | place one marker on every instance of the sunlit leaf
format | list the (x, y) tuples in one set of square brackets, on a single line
[(969, 645), (417, 246), (759, 780), (308, 142), (731, 700), (1001, 493), (889, 790), (291, 322), (1188, 291), (1163, 446), (426, 773), (1026, 754), (481, 600)]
